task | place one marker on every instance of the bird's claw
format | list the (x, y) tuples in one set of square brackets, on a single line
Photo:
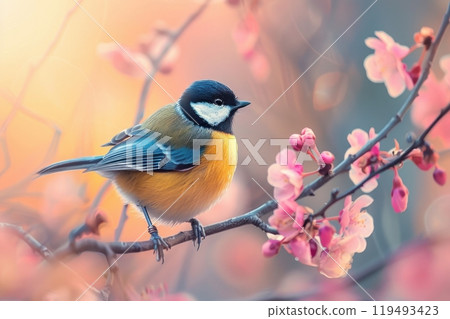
[(199, 232), (159, 244)]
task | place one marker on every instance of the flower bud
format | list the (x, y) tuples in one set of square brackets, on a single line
[(307, 132), (271, 247), (296, 142), (399, 195), (425, 37), (308, 137), (326, 233), (439, 176), (327, 157)]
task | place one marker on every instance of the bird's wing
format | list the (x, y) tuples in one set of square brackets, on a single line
[(125, 134), (148, 151)]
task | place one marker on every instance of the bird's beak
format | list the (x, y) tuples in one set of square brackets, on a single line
[(241, 104)]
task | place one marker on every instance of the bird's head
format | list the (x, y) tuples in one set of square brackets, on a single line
[(210, 104)]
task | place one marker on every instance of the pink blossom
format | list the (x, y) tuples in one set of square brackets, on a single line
[(288, 219), (356, 225), (304, 141), (399, 194), (433, 97), (353, 219), (361, 168), (286, 176), (335, 261), (284, 212), (284, 217), (439, 176), (335, 252), (386, 65)]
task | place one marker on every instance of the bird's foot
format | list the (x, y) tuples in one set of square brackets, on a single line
[(159, 244), (199, 232)]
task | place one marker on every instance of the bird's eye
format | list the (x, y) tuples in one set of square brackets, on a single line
[(218, 102)]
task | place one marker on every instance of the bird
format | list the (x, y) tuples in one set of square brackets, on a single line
[(175, 164)]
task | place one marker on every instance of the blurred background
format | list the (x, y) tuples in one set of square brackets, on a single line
[(66, 88)]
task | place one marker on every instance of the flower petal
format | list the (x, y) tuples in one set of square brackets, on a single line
[(395, 84), (372, 71), (275, 177)]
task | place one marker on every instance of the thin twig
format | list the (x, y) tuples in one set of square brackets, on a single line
[(28, 239), (123, 219)]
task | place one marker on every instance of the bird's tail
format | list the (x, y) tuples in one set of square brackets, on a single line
[(73, 164)]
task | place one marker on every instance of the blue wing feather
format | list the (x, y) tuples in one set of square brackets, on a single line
[(148, 152)]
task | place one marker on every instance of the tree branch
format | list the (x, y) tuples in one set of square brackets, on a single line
[(89, 244)]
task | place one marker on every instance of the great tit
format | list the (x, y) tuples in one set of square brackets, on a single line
[(177, 163)]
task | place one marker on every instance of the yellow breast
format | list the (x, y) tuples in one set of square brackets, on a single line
[(178, 196)]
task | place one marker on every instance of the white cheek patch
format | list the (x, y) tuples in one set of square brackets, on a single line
[(213, 114)]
